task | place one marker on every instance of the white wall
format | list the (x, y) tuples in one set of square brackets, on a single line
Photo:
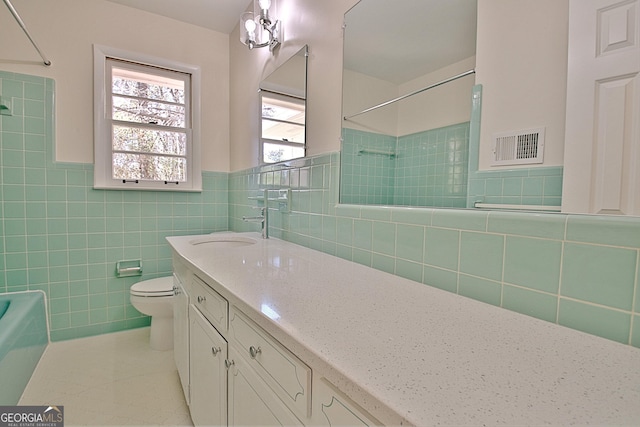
[(312, 22), (441, 106), (289, 78), (362, 92), (516, 94), (521, 62), (318, 24), (65, 30)]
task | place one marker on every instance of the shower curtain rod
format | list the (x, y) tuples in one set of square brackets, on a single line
[(24, 28), (375, 107)]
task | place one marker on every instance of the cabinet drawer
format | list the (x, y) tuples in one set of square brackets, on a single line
[(210, 303), (287, 375)]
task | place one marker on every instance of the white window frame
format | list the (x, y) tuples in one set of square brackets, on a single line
[(103, 161), (289, 98)]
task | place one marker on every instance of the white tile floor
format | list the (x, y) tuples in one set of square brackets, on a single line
[(113, 379)]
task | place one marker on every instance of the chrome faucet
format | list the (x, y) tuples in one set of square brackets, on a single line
[(263, 219)]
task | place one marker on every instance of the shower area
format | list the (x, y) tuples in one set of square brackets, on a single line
[(408, 150), (407, 107), (426, 169)]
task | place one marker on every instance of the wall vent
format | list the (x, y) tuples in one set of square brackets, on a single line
[(518, 147)]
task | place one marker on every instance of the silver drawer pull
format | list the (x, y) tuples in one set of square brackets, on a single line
[(254, 351), (215, 350), (229, 363), (201, 299)]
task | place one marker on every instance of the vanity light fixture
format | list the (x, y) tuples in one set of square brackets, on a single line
[(260, 28)]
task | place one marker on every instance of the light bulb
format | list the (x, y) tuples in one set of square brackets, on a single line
[(264, 4), (250, 25)]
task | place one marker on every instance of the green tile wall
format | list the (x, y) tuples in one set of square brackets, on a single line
[(61, 236), (426, 168), (537, 185), (431, 167), (439, 168), (579, 271), (368, 178)]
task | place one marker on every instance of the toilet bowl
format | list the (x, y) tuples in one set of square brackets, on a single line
[(154, 298)]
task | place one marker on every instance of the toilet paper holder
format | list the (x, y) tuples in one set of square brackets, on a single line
[(129, 268)]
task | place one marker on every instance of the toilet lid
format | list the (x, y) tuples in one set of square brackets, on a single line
[(160, 287)]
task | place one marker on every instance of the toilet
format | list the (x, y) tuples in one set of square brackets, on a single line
[(154, 298)]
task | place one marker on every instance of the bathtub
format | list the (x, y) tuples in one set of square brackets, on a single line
[(23, 338)]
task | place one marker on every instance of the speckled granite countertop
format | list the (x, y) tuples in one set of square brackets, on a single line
[(413, 354)]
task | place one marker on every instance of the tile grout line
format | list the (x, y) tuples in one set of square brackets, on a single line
[(635, 297)]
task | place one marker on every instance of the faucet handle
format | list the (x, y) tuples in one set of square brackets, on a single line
[(261, 208)]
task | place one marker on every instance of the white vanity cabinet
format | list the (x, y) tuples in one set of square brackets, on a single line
[(207, 356), (316, 340), (235, 373)]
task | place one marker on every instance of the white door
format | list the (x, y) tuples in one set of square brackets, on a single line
[(602, 143)]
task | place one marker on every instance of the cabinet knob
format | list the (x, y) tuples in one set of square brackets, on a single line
[(201, 299), (254, 351), (216, 350), (229, 363)]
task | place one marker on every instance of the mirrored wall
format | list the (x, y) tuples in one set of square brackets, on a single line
[(407, 92)]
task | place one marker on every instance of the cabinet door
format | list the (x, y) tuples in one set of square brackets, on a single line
[(332, 408), (251, 401), (208, 351), (288, 376), (181, 334)]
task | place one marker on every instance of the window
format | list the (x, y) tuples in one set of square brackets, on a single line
[(282, 127), (146, 125)]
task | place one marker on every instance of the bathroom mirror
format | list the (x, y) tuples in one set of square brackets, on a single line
[(414, 151), (417, 151), (282, 115)]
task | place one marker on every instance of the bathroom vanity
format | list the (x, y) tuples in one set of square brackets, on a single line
[(271, 333)]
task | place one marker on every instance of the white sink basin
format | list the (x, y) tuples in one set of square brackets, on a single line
[(224, 241)]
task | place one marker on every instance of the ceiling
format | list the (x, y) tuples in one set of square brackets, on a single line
[(217, 15), (409, 39), (422, 35)]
